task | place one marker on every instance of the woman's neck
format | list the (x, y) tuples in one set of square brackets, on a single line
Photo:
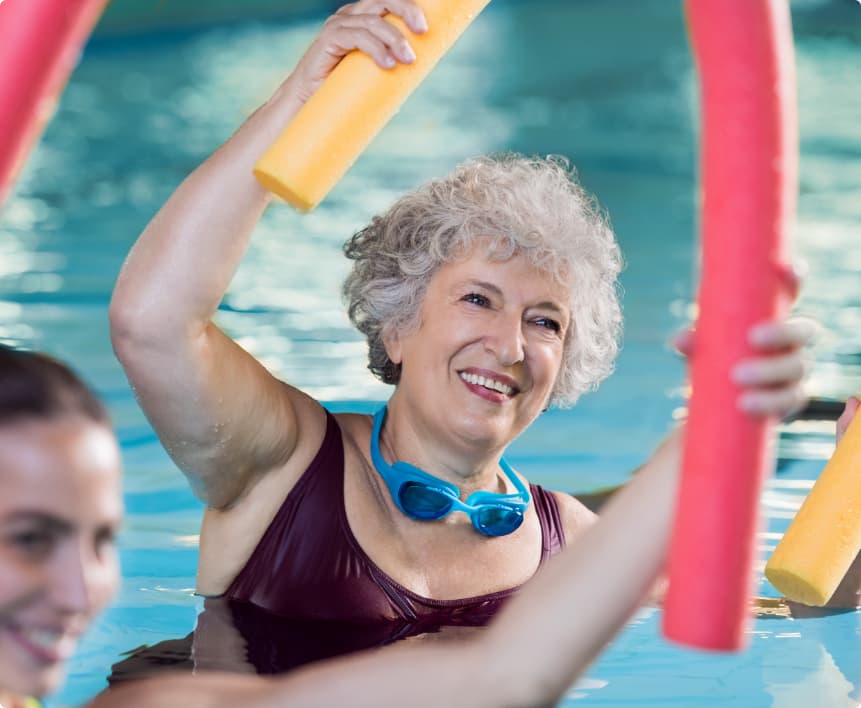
[(401, 440)]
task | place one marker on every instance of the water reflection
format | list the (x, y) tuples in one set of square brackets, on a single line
[(823, 667), (240, 637)]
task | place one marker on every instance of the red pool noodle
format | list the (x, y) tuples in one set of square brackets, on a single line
[(40, 42), (744, 53)]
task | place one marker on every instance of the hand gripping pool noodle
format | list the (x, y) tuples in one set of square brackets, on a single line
[(40, 42), (749, 162), (825, 535), (354, 103)]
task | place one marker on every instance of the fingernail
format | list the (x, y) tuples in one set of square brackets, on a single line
[(759, 334), (747, 404), (409, 54), (742, 374), (421, 24), (389, 62)]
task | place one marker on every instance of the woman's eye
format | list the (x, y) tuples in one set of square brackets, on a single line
[(106, 538), (546, 322), (476, 299), (33, 543)]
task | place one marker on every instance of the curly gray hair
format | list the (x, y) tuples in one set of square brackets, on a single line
[(517, 205)]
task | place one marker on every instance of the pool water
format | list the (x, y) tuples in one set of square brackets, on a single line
[(614, 92)]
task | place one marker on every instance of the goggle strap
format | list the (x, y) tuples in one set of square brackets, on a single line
[(393, 476)]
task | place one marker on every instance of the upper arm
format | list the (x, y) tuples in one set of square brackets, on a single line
[(221, 416)]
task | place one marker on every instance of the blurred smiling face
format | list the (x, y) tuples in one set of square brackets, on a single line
[(60, 509)]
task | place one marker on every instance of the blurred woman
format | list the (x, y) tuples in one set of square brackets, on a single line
[(60, 508)]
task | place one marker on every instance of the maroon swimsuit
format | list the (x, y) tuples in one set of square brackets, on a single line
[(309, 566)]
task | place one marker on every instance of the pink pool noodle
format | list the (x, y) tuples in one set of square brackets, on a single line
[(40, 42), (744, 53)]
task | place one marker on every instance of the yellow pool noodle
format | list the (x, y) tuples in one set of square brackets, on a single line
[(352, 105), (825, 535)]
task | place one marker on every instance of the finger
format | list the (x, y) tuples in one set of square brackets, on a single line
[(342, 40), (770, 371), (385, 32), (850, 410), (683, 342), (408, 10), (791, 275), (778, 402), (785, 334)]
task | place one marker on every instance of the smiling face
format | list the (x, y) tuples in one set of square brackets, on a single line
[(488, 347), (59, 511)]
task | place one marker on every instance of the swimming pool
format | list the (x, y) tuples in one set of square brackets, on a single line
[(616, 94)]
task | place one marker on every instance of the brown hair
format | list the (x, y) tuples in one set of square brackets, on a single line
[(35, 385)]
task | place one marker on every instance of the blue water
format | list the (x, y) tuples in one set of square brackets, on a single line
[(616, 93)]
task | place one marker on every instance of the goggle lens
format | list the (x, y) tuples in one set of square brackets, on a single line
[(422, 502), (498, 520)]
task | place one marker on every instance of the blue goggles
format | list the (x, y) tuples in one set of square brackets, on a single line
[(423, 497)]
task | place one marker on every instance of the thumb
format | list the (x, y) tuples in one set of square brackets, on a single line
[(846, 417), (683, 342)]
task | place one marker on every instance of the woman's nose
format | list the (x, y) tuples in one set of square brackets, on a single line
[(80, 579), (505, 339)]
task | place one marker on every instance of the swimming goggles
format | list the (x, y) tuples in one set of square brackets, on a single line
[(423, 497)]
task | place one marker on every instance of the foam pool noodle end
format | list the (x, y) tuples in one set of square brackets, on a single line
[(825, 535), (352, 105), (40, 45)]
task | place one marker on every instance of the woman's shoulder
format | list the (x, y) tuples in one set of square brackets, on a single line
[(355, 429), (576, 517)]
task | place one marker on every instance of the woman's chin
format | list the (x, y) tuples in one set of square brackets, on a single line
[(33, 683)]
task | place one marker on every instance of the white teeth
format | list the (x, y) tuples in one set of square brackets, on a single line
[(492, 384), (50, 640), (42, 637)]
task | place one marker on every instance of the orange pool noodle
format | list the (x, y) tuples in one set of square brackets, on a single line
[(825, 535), (40, 42), (354, 103), (744, 54)]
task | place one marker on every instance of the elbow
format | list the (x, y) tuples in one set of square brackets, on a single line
[(120, 322), (127, 328), (141, 330)]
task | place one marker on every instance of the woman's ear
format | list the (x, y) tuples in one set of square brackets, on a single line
[(392, 343)]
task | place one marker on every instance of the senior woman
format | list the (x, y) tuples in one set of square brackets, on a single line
[(486, 296), (59, 511)]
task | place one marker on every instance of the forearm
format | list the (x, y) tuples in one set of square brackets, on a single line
[(446, 673), (181, 265), (421, 677), (183, 262), (205, 690), (551, 631)]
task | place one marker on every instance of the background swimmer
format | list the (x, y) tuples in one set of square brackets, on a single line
[(60, 509)]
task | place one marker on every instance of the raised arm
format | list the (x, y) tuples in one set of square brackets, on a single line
[(220, 414)]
